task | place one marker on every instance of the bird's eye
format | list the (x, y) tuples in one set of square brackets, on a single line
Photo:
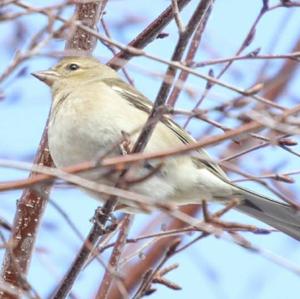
[(73, 67)]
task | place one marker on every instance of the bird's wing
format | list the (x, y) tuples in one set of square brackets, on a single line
[(138, 100)]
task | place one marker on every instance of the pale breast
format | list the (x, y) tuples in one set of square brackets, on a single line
[(79, 130)]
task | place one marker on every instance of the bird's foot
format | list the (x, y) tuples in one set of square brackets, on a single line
[(98, 219)]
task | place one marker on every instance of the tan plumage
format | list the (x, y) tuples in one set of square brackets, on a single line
[(92, 109)]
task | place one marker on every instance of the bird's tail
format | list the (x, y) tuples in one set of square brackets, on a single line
[(278, 215)]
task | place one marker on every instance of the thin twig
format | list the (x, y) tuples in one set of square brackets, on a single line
[(114, 259), (190, 56)]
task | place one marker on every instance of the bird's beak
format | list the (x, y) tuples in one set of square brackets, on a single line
[(47, 77)]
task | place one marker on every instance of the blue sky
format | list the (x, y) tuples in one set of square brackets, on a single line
[(212, 268)]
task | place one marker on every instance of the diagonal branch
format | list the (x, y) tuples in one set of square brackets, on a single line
[(189, 57), (184, 37), (115, 258), (30, 209), (147, 35)]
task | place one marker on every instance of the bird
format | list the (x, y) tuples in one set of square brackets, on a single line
[(93, 109)]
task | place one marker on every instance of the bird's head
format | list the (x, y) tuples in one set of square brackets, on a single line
[(76, 69)]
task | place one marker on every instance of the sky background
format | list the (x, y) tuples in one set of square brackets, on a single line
[(212, 268)]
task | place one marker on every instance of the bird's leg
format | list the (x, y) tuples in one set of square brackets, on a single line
[(206, 216), (126, 144)]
